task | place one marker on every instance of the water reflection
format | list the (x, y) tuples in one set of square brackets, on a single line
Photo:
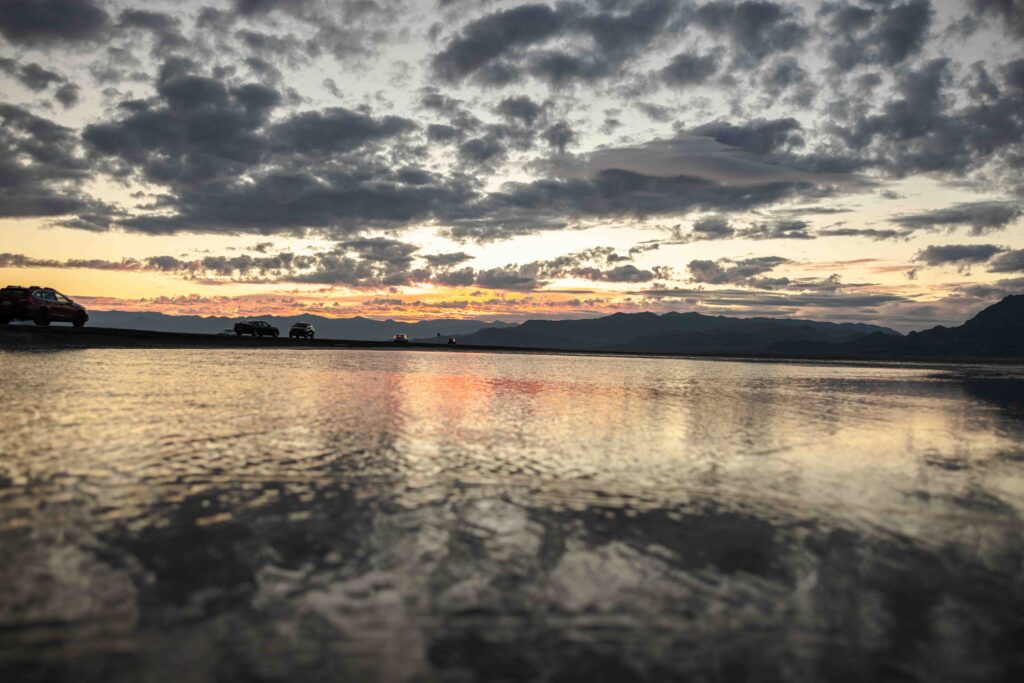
[(390, 516)]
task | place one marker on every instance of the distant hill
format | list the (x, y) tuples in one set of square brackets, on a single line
[(358, 328), (995, 332), (672, 333)]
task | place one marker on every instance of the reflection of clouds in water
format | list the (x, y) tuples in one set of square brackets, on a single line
[(404, 516)]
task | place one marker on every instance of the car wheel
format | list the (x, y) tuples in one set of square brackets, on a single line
[(79, 321), (42, 317), (237, 333), (311, 336)]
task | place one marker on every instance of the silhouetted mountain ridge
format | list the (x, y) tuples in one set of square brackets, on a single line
[(995, 332), (671, 333)]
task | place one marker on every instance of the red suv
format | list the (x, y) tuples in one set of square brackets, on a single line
[(41, 305)]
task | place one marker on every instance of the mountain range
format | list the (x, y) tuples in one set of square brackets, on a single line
[(672, 333), (996, 332), (357, 329)]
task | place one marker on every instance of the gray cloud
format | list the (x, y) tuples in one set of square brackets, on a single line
[(38, 78), (41, 172), (757, 29), (690, 69), (727, 271), (980, 217), (884, 34), (493, 47), (1009, 14), (46, 22), (446, 260), (961, 255), (1008, 262), (486, 39)]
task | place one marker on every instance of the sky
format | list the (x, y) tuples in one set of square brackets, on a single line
[(848, 161)]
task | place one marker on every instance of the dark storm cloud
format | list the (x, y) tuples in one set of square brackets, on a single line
[(690, 69), (228, 168), (870, 233), (956, 254), (197, 129), (40, 169), (782, 301), (333, 130), (257, 7), (920, 130), (446, 260), (1013, 73), (521, 109), (382, 250), (625, 273), (32, 76), (46, 22), (438, 132), (1009, 262), (777, 230), (785, 74), (67, 95), (559, 68), (8, 260), (585, 265), (980, 217), (165, 29), (712, 228), (486, 39), (760, 136), (548, 204), (559, 136), (885, 34), (757, 29), (482, 151), (727, 271), (38, 78), (1009, 14), (504, 278), (493, 48)]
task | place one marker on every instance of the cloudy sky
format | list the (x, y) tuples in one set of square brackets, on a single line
[(473, 158)]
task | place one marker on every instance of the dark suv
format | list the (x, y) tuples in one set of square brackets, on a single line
[(256, 328), (41, 305), (305, 330)]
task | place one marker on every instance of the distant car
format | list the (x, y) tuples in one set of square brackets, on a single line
[(451, 341), (41, 305), (225, 333), (304, 330), (256, 328), (401, 339)]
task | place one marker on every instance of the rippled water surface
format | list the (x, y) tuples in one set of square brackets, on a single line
[(407, 516)]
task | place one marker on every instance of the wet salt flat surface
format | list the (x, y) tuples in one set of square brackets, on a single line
[(403, 516)]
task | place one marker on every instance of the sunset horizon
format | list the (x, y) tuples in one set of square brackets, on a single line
[(520, 161), (512, 341)]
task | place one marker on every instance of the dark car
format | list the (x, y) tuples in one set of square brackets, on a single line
[(401, 339), (304, 330), (256, 328), (41, 305)]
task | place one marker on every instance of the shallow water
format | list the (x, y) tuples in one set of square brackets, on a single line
[(411, 516)]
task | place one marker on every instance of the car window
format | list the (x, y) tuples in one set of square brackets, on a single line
[(49, 296), (61, 298)]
